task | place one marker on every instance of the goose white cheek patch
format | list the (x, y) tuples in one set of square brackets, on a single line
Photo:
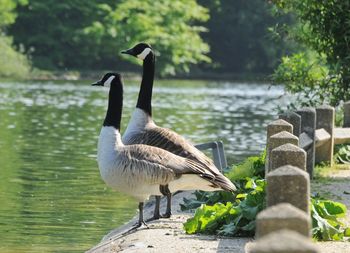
[(108, 82), (144, 53)]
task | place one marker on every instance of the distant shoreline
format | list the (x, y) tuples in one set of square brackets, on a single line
[(93, 74)]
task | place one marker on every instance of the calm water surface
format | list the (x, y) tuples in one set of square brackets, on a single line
[(51, 196)]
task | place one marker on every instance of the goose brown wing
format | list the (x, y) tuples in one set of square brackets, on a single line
[(169, 162), (158, 166), (171, 141)]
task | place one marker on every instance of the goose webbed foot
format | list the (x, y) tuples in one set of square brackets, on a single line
[(141, 225)]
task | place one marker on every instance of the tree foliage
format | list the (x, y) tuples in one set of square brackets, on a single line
[(7, 14), (91, 35), (52, 32), (12, 62), (71, 35), (239, 38), (323, 27)]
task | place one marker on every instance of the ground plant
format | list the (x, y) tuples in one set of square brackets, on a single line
[(223, 213)]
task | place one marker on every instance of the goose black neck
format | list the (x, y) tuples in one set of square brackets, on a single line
[(144, 101), (115, 106)]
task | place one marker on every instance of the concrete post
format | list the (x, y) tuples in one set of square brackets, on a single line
[(346, 114), (274, 128), (288, 184), (308, 125), (287, 154), (294, 119), (283, 241), (325, 116), (277, 140), (282, 216), (278, 126)]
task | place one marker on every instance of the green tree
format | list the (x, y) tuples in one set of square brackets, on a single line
[(7, 14), (70, 34), (52, 32), (168, 25), (12, 63), (323, 29), (239, 38)]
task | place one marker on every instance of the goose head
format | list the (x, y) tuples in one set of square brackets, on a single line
[(141, 51), (108, 79)]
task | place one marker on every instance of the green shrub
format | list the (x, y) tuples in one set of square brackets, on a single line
[(12, 63), (223, 213), (325, 223), (231, 218), (342, 154)]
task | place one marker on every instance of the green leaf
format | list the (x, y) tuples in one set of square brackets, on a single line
[(335, 208), (228, 229), (347, 232)]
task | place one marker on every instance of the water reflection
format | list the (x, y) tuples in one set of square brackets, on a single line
[(52, 198)]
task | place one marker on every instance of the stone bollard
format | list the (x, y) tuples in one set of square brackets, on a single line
[(288, 184), (287, 154), (325, 116), (294, 119), (278, 126), (283, 241), (282, 216), (308, 125), (277, 140), (346, 114), (274, 128)]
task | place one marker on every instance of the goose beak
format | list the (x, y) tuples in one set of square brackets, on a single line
[(98, 83), (129, 51)]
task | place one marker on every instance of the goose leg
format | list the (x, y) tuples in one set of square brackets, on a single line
[(165, 191), (168, 207), (141, 221), (140, 224), (156, 214)]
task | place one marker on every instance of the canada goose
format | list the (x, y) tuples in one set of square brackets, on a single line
[(141, 170), (142, 129)]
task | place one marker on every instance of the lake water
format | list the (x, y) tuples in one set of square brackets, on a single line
[(51, 196)]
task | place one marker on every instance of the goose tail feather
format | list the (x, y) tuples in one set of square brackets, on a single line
[(217, 179)]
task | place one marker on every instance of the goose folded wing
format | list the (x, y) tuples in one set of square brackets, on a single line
[(154, 157), (167, 139), (159, 137)]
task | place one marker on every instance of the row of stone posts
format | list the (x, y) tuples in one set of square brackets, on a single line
[(294, 143), (315, 128), (285, 225)]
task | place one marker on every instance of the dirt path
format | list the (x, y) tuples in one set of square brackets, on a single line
[(336, 186), (167, 235)]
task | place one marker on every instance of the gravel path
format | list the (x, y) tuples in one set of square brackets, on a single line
[(337, 189), (167, 235)]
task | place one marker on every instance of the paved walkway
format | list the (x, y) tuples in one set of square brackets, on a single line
[(167, 235), (337, 189)]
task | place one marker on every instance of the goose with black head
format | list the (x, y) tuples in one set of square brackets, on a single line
[(141, 170), (141, 128)]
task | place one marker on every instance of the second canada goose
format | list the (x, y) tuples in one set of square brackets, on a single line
[(142, 129), (140, 170)]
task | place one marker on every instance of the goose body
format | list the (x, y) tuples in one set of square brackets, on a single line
[(141, 170), (142, 130)]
